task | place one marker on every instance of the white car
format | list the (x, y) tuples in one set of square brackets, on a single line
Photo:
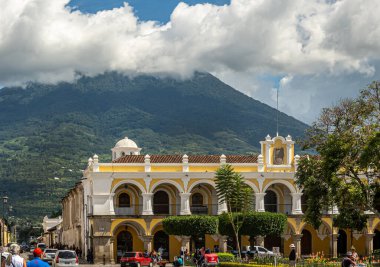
[(49, 255), (260, 251), (65, 258)]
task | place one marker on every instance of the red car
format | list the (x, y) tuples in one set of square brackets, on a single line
[(135, 259)]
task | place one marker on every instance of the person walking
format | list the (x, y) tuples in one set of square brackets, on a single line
[(14, 259), (37, 262), (292, 255)]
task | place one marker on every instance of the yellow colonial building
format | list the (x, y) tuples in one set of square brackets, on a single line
[(124, 202)]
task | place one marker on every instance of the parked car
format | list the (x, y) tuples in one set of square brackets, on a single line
[(65, 258), (259, 251), (49, 255), (135, 259)]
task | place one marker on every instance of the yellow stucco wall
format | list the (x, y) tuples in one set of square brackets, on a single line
[(174, 247), (166, 168), (115, 168), (210, 242)]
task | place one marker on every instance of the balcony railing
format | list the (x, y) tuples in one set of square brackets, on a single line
[(279, 208), (199, 210), (210, 209), (131, 210), (166, 209)]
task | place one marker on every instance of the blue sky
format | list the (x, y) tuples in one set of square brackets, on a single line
[(158, 10)]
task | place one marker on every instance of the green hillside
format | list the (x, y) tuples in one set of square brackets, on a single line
[(47, 132)]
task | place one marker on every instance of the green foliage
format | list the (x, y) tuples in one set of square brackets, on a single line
[(346, 174), (255, 224), (225, 257), (193, 225), (232, 190), (237, 264), (236, 194)]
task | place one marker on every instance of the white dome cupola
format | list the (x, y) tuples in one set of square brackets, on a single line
[(124, 147)]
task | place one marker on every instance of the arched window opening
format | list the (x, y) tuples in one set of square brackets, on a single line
[(342, 242), (376, 240), (161, 203), (124, 243), (270, 201), (161, 243), (197, 206), (124, 200), (306, 242), (197, 199)]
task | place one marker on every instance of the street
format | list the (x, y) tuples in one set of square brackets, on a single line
[(28, 256)]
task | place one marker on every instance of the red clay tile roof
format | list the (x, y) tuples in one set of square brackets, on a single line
[(192, 159)]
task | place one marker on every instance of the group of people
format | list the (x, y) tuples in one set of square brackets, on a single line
[(15, 260), (348, 261)]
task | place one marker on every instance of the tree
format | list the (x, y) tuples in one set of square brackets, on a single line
[(193, 225), (236, 194), (346, 171)]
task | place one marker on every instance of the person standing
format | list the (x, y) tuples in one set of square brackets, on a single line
[(14, 259), (348, 261), (37, 262), (292, 255), (355, 255)]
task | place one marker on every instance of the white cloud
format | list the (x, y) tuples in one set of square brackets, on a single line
[(43, 40)]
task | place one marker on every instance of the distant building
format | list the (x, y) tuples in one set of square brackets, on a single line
[(119, 206), (5, 236), (51, 230)]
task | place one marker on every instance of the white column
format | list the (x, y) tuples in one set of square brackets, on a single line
[(297, 243), (147, 239), (112, 209), (222, 207), (260, 202), (259, 240), (369, 243), (185, 242), (147, 203), (223, 243), (185, 203), (296, 203), (288, 146)]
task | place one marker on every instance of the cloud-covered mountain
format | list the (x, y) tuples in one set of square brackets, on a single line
[(47, 132)]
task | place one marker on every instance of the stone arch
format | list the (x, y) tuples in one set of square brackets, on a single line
[(253, 186), (134, 225), (133, 230), (290, 229), (374, 227), (135, 183), (323, 229), (212, 183), (283, 140), (157, 227), (175, 184), (291, 188)]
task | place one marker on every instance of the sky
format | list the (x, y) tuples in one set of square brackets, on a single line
[(314, 52)]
